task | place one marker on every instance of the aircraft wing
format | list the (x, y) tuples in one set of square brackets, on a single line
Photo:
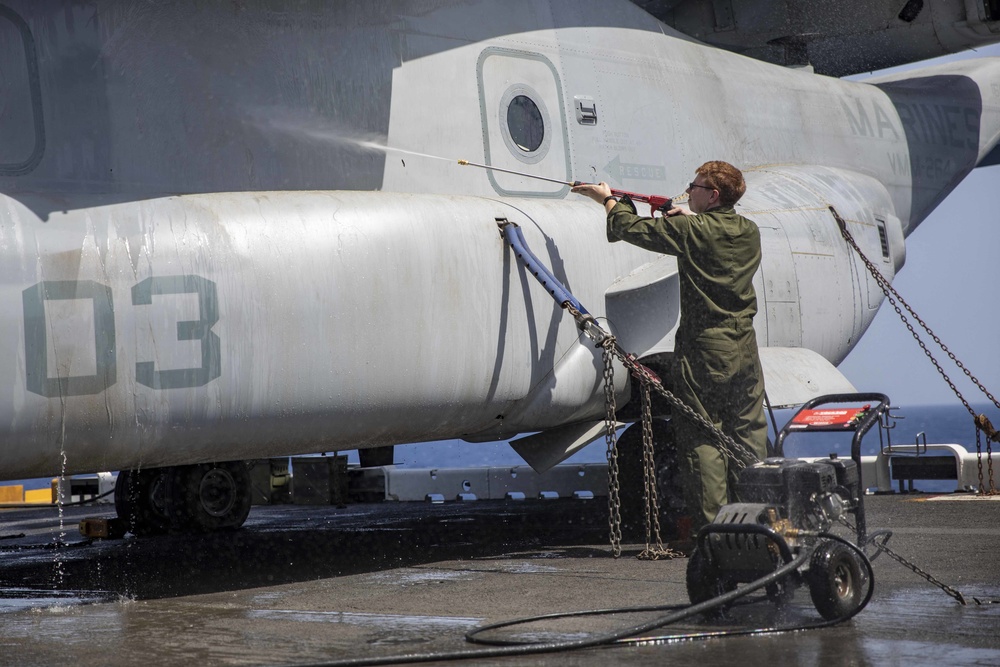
[(837, 37)]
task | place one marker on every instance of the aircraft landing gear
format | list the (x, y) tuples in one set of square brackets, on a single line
[(183, 499), (209, 496), (140, 501)]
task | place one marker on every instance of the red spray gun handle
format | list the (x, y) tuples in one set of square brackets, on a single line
[(656, 202)]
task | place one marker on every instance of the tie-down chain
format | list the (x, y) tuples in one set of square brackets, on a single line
[(737, 454), (983, 424)]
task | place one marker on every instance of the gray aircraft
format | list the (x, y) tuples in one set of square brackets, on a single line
[(835, 37), (240, 230)]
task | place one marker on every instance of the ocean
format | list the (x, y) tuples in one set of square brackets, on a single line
[(950, 424)]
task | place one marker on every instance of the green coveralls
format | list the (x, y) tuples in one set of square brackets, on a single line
[(716, 368)]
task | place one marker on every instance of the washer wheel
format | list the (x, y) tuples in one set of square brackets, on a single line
[(835, 579)]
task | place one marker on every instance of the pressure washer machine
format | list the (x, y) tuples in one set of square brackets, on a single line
[(788, 506)]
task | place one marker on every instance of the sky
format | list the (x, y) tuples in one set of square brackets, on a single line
[(952, 280)]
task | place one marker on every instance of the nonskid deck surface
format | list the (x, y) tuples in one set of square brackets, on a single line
[(300, 585)]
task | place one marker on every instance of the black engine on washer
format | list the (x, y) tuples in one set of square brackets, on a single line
[(808, 494)]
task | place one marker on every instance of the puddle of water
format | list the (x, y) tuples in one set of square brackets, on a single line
[(420, 577), (523, 568), (381, 621), (927, 653), (24, 599), (931, 601), (261, 599)]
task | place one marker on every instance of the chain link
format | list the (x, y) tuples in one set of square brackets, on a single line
[(883, 548), (989, 463), (611, 437), (983, 424), (648, 380), (738, 454), (895, 300), (979, 460), (656, 550)]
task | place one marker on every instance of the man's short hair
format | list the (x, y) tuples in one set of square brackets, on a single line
[(725, 178)]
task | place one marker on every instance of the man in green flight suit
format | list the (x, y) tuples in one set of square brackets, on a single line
[(716, 368)]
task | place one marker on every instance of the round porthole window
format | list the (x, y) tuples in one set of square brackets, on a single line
[(523, 123)]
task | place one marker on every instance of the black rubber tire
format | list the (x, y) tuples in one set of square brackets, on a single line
[(632, 488), (836, 583), (140, 501), (704, 582), (209, 497)]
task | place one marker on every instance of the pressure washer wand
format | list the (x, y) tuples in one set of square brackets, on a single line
[(572, 184), (656, 202)]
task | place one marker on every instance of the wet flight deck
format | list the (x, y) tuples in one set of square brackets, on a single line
[(307, 585)]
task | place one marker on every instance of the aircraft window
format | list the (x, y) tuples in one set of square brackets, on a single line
[(524, 120), (525, 124)]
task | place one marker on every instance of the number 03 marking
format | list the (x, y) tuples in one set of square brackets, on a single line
[(200, 329), (36, 335)]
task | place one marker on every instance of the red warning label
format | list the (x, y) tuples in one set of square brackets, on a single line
[(843, 417)]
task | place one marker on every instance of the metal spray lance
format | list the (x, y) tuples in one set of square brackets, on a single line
[(656, 202)]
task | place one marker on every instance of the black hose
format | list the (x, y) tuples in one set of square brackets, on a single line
[(756, 632), (554, 647), (697, 635)]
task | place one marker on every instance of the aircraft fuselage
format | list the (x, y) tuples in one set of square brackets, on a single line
[(202, 259)]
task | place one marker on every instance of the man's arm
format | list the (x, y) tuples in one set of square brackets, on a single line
[(656, 234), (600, 192)]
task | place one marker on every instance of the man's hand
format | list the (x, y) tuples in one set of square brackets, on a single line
[(596, 191), (679, 210)]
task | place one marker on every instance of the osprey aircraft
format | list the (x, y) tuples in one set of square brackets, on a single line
[(231, 231)]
